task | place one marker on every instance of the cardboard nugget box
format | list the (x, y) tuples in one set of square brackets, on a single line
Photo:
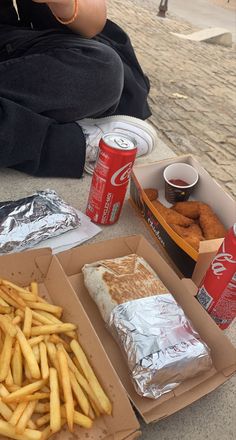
[(41, 266), (185, 259), (222, 351)]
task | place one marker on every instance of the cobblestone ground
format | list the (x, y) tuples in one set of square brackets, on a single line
[(193, 88)]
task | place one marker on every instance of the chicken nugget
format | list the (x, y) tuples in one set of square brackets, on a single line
[(211, 226), (188, 209), (171, 216), (192, 234), (151, 193)]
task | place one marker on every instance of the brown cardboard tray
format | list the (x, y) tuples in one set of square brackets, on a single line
[(223, 352), (186, 260), (41, 266)]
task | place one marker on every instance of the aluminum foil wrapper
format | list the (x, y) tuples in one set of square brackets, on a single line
[(159, 343), (26, 222)]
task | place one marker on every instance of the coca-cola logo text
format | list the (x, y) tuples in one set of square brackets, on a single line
[(217, 265), (121, 176)]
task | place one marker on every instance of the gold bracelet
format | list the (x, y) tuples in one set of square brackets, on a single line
[(74, 16)]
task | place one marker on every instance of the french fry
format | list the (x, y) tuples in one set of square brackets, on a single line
[(12, 388), (56, 320), (16, 320), (79, 394), (28, 354), (3, 393), (41, 300), (27, 296), (17, 365), (31, 424), (94, 408), (9, 378), (46, 433), (82, 381), (91, 378), (5, 309), (6, 298), (55, 411), (24, 391), (1, 340), (14, 296), (5, 411), (58, 340), (27, 322), (35, 349), (79, 419), (27, 371), (52, 353), (40, 318), (43, 420), (25, 417), (35, 396), (17, 413), (35, 340), (53, 319), (2, 302), (9, 431), (42, 408), (91, 414), (7, 326), (43, 360), (56, 310), (34, 288), (54, 328), (13, 286), (67, 391), (5, 357), (19, 312)]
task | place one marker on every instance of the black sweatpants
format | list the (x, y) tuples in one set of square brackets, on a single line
[(51, 78)]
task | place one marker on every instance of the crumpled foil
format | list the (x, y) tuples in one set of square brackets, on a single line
[(26, 222), (159, 343)]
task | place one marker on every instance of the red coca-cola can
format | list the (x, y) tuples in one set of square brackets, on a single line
[(217, 292), (110, 179)]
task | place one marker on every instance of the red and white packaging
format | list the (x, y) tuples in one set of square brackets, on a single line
[(111, 175), (217, 292)]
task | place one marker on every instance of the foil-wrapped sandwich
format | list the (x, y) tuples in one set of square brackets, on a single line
[(160, 345), (115, 281), (28, 221)]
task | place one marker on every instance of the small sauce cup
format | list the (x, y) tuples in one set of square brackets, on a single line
[(180, 181)]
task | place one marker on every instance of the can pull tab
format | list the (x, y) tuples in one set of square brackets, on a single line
[(121, 143)]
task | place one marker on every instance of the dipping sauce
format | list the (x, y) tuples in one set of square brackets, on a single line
[(178, 182)]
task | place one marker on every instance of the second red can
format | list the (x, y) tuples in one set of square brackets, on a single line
[(110, 179), (217, 292)]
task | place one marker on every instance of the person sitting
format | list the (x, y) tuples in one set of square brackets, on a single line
[(68, 75)]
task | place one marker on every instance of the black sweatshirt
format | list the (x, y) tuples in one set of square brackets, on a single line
[(29, 12)]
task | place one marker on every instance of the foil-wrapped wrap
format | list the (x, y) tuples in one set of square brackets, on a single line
[(159, 343), (26, 222)]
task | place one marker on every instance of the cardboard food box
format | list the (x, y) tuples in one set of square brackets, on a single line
[(223, 352), (186, 260), (41, 266)]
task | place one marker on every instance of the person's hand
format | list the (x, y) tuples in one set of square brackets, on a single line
[(61, 8)]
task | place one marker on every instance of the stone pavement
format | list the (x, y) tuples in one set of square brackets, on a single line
[(193, 88)]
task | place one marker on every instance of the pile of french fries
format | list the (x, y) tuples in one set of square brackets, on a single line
[(45, 377)]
